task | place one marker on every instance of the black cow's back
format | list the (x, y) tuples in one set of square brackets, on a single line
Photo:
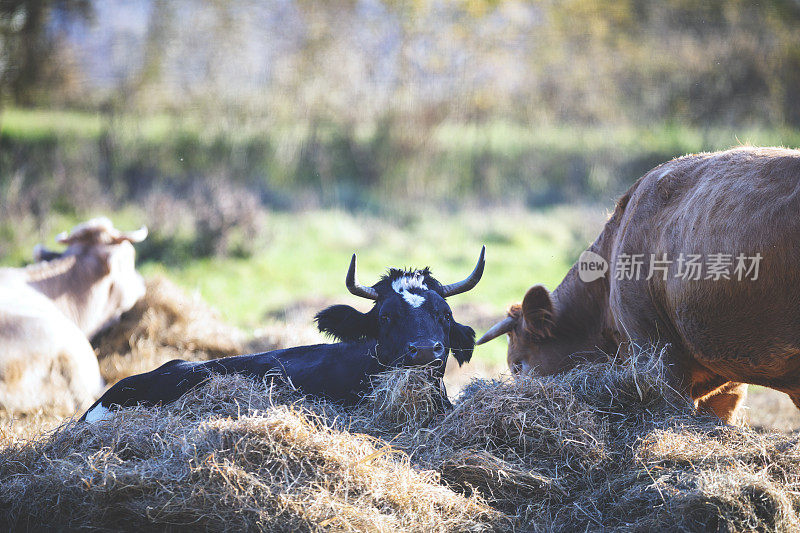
[(337, 371)]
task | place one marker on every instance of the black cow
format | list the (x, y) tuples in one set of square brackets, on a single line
[(410, 325)]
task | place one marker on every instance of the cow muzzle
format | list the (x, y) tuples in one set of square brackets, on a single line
[(426, 353)]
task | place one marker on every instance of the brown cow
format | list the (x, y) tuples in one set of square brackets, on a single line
[(49, 310), (738, 323)]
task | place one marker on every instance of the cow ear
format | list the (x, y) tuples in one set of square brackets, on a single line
[(346, 323), (537, 311), (40, 253), (462, 342)]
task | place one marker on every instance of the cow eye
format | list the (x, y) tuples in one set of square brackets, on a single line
[(385, 319)]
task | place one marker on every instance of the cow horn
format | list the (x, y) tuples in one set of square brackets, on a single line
[(470, 282), (134, 236), (504, 326), (354, 287)]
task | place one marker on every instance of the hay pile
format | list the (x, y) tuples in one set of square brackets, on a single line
[(231, 455), (606, 447), (166, 324), (169, 324)]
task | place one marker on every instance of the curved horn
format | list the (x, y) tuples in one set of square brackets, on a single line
[(133, 236), (354, 287), (504, 326), (470, 282)]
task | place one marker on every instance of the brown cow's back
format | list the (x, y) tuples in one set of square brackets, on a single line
[(721, 329), (743, 201)]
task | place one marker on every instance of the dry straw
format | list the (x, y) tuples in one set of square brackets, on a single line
[(166, 324), (603, 447), (231, 455), (169, 324)]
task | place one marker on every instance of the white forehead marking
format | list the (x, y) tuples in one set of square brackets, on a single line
[(414, 300), (402, 285), (409, 282), (98, 414)]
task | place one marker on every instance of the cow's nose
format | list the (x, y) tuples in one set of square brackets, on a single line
[(438, 350), (424, 353)]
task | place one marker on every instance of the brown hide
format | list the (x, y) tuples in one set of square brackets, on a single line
[(720, 332)]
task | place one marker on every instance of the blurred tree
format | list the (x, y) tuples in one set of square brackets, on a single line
[(422, 62), (158, 32), (27, 68), (711, 62)]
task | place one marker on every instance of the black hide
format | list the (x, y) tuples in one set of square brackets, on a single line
[(410, 324)]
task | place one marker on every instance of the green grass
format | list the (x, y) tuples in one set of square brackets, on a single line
[(361, 166), (354, 164), (508, 139), (38, 124), (35, 124), (307, 255), (304, 257), (498, 137)]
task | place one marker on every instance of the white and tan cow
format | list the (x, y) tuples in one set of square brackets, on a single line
[(50, 310)]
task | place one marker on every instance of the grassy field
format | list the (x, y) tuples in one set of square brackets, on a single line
[(77, 158), (498, 136), (299, 268), (602, 445), (306, 256), (301, 264)]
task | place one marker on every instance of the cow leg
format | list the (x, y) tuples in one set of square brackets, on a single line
[(724, 401), (709, 391)]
